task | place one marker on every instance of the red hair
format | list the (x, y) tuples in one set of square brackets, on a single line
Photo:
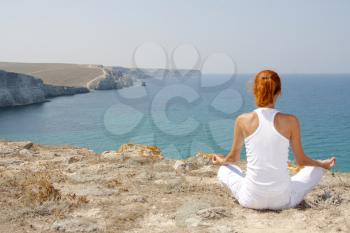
[(267, 84)]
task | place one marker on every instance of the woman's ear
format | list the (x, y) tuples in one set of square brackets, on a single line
[(279, 94)]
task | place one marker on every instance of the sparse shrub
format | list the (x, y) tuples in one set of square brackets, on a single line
[(37, 187)]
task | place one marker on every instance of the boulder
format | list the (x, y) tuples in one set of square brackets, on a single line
[(26, 152), (184, 166), (135, 151)]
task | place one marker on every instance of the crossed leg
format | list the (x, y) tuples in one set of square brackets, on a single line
[(303, 182), (231, 176)]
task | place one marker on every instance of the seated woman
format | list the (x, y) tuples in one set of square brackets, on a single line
[(267, 134)]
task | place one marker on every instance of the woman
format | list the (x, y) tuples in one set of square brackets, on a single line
[(267, 134)]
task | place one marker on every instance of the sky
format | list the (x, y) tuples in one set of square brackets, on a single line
[(218, 36)]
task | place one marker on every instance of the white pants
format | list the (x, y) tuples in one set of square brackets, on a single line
[(302, 183)]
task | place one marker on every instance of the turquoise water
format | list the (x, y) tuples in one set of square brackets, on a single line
[(159, 114)]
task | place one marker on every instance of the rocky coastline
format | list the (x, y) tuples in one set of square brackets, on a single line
[(20, 89), (111, 79), (135, 189), (29, 83)]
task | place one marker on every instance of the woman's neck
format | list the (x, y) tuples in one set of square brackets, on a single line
[(268, 106)]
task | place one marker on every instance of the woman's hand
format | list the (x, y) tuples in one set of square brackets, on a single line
[(218, 159), (328, 163)]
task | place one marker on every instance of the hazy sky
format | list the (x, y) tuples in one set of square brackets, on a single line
[(296, 36)]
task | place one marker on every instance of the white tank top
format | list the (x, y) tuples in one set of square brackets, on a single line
[(267, 157)]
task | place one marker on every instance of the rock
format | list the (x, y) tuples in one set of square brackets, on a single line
[(327, 198), (25, 144), (111, 155), (186, 214), (110, 79), (202, 181), (139, 152), (197, 213), (133, 199), (19, 89), (102, 83), (75, 225), (7, 148), (159, 223), (221, 229), (54, 91), (80, 173), (179, 165), (26, 152), (119, 77), (206, 171), (139, 199), (145, 176), (171, 182), (214, 213), (184, 166), (202, 159), (74, 159)]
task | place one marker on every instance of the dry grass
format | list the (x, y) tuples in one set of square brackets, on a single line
[(76, 201), (113, 183), (56, 74), (33, 188), (38, 188)]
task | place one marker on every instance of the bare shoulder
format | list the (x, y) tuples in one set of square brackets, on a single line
[(288, 119), (246, 118), (247, 122), (286, 124)]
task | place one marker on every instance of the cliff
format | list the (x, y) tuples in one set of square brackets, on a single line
[(70, 75), (20, 89), (55, 91), (134, 189), (94, 77), (119, 77), (111, 79)]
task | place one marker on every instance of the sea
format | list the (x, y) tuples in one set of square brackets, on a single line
[(187, 114)]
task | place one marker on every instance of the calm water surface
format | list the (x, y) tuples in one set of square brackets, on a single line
[(184, 116)]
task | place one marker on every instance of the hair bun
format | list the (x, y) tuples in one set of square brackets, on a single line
[(266, 85)]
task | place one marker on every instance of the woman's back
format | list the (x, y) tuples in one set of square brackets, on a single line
[(267, 155)]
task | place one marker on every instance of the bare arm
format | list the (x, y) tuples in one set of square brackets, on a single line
[(300, 157), (235, 152), (238, 139)]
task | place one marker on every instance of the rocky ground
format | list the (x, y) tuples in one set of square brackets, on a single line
[(65, 189)]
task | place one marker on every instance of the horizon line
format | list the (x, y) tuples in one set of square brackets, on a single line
[(211, 73)]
